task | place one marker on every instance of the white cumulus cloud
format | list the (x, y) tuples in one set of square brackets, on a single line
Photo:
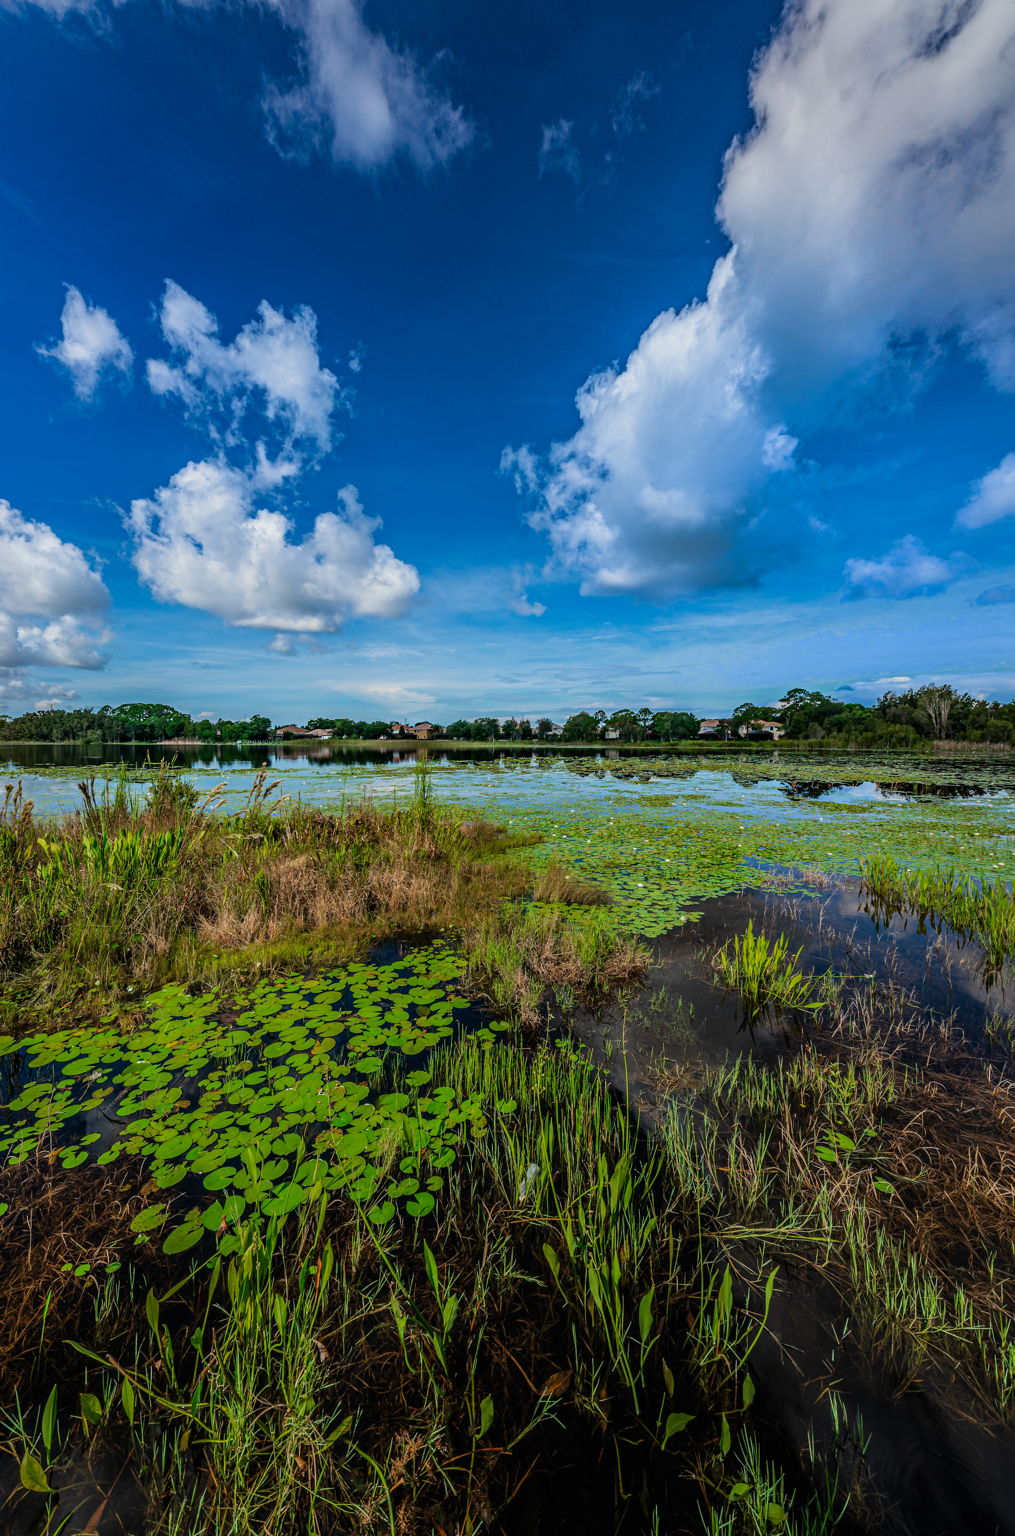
[(202, 541), (272, 363), (51, 599), (993, 497), (873, 204), (907, 570), (90, 343)]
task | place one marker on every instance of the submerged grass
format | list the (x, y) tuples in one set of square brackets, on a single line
[(895, 1184)]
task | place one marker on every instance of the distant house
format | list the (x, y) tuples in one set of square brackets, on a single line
[(398, 729), (320, 733), (612, 734), (291, 731), (709, 727), (422, 730), (771, 729)]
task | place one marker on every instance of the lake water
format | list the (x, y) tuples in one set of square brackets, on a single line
[(763, 783)]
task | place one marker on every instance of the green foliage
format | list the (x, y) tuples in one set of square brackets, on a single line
[(978, 909), (265, 1096), (764, 974)]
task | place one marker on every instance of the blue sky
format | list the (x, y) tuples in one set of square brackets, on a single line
[(391, 360)]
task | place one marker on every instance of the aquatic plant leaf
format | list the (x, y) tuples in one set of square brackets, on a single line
[(185, 1236), (32, 1475)]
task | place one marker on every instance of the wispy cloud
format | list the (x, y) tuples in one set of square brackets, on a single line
[(993, 497), (352, 96)]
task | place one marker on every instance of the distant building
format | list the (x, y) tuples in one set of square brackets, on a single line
[(709, 727), (422, 730), (771, 729), (295, 731)]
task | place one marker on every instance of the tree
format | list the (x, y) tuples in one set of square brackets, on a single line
[(544, 728), (486, 728), (460, 730), (674, 725), (580, 727), (150, 722), (937, 701), (625, 723), (525, 730), (644, 718)]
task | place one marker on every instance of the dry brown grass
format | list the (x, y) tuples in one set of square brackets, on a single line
[(951, 1141), (116, 911), (57, 1220), (558, 885)]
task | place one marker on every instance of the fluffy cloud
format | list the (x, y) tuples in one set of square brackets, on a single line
[(907, 570), (201, 541), (51, 599), (358, 99), (272, 363), (873, 203), (993, 497), (525, 608), (90, 344)]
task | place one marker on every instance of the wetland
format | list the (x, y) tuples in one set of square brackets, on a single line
[(507, 1141)]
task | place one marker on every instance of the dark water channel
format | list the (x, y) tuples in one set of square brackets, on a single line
[(684, 1019), (927, 1462)]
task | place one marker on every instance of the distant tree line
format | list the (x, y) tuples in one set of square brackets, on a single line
[(587, 725), (128, 722), (935, 712), (904, 719)]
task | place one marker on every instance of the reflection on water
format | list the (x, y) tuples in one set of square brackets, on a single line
[(685, 1019), (509, 777)]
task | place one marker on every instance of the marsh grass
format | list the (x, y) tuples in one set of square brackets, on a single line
[(129, 893), (764, 974), (520, 1355), (895, 1184), (983, 911), (521, 959)]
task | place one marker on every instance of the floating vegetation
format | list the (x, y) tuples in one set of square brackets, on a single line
[(518, 1352), (265, 1100)]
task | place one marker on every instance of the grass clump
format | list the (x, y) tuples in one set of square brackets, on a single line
[(764, 974), (980, 910)]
